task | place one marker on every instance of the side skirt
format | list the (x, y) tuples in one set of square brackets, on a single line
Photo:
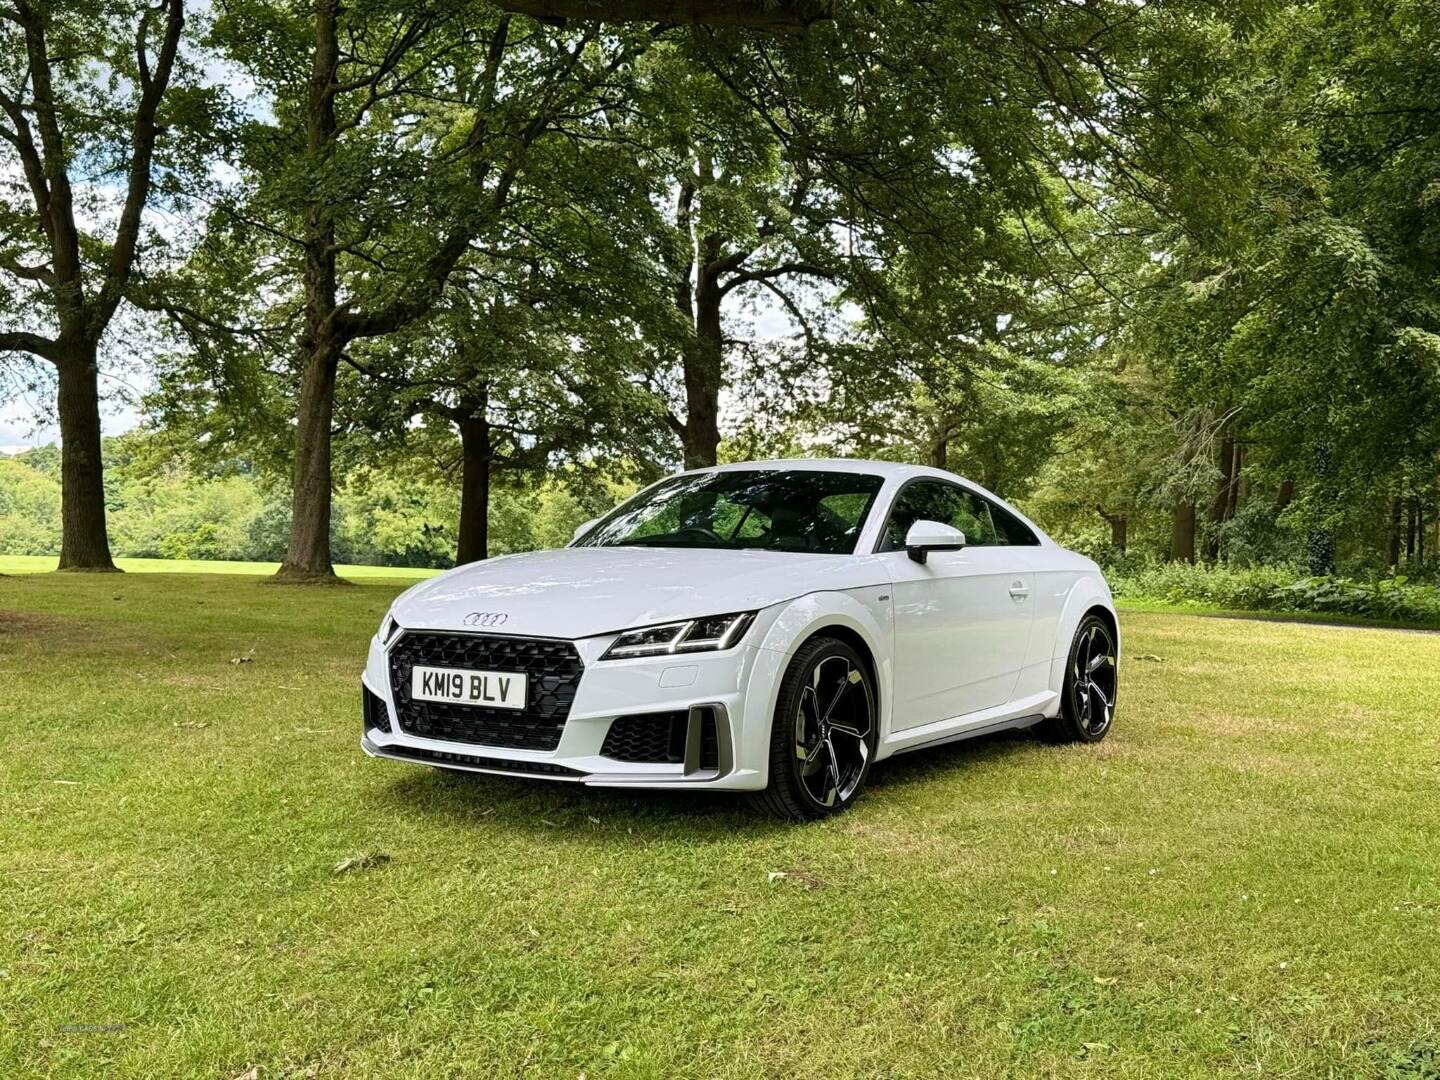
[(973, 733)]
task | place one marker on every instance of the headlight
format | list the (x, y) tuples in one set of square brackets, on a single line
[(710, 634)]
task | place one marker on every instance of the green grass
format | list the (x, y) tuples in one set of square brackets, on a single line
[(36, 564), (1241, 880)]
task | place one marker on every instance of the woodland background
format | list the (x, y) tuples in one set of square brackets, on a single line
[(406, 283)]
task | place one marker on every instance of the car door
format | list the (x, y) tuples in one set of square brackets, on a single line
[(962, 618)]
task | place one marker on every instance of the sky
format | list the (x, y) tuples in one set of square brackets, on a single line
[(21, 428)]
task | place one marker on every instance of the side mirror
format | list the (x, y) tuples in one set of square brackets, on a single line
[(927, 536), (581, 530)]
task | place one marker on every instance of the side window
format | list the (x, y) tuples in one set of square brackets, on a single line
[(981, 530), (984, 524), (926, 501), (1011, 530)]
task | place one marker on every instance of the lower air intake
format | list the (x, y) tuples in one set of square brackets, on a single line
[(648, 738), (660, 739), (377, 717)]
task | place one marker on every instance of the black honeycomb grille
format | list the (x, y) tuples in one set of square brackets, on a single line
[(553, 669), (375, 713), (649, 738), (709, 742), (660, 738)]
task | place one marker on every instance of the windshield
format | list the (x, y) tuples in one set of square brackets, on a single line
[(766, 510)]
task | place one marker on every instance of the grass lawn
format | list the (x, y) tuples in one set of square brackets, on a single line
[(1243, 879), (36, 564)]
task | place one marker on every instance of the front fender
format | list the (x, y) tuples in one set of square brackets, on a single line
[(861, 612)]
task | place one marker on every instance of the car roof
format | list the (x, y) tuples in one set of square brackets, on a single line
[(887, 469)]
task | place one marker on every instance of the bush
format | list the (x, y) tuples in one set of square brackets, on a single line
[(1279, 589)]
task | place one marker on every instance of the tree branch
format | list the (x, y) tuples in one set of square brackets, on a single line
[(127, 233), (21, 341), (41, 273), (783, 15), (58, 208), (812, 269)]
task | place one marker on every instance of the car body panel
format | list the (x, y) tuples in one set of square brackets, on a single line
[(962, 631), (580, 592)]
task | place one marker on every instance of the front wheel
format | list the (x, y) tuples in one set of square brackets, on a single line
[(824, 733), (1087, 701)]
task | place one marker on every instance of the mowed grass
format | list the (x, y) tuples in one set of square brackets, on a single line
[(1243, 879), (37, 564)]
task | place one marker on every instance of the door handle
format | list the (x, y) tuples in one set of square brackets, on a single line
[(1018, 591)]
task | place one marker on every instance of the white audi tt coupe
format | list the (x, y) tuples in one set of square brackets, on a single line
[(772, 627)]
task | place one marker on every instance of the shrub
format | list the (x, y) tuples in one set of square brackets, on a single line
[(1279, 589)]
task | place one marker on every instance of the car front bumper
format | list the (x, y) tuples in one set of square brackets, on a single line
[(734, 687)]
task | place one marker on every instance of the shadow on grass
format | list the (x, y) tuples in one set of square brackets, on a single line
[(544, 806), (939, 762)]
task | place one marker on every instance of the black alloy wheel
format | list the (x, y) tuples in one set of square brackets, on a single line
[(1087, 707), (824, 733)]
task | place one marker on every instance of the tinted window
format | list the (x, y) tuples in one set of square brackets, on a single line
[(1009, 528), (772, 510), (983, 523)]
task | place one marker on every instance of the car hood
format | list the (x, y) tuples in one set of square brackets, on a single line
[(579, 592)]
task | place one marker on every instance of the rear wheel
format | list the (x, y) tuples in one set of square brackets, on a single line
[(823, 736), (1087, 701)]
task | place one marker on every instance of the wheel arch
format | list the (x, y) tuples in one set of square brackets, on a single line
[(1089, 595), (857, 642), (832, 614), (1108, 615)]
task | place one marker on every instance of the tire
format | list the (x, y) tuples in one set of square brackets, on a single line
[(1087, 700), (824, 733)]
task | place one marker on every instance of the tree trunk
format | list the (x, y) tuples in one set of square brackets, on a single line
[(1237, 469), (84, 544), (1182, 539), (940, 452), (474, 541), (1419, 531), (1320, 546), (1119, 528), (308, 556), (1393, 557), (1286, 495), (1411, 505), (1320, 540), (1221, 503), (704, 371)]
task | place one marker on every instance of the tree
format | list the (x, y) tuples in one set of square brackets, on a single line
[(528, 379), (88, 101), (1292, 299), (739, 219), (398, 136), (896, 133)]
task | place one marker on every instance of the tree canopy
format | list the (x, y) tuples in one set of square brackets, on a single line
[(1166, 272)]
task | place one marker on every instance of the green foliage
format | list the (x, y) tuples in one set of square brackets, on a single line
[(29, 510), (1388, 599), (393, 516)]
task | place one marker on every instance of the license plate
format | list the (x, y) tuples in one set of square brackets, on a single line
[(492, 689)]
